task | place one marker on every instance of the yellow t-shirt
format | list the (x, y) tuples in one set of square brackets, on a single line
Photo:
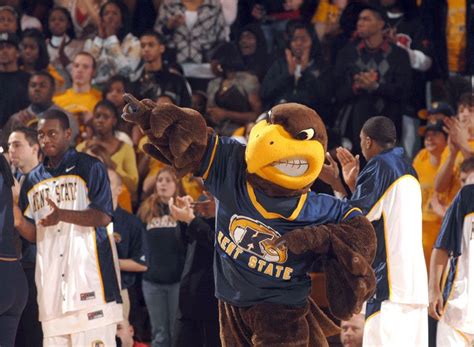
[(426, 175), (126, 164), (456, 37), (78, 102)]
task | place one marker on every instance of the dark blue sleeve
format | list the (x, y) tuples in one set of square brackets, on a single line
[(224, 156), (326, 209), (370, 186), (347, 211), (136, 248), (23, 199), (451, 232), (23, 202), (100, 195)]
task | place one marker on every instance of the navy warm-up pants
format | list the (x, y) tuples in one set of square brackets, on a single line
[(13, 295)]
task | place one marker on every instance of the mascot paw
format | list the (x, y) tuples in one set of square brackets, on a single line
[(310, 238), (137, 112), (154, 152), (178, 136)]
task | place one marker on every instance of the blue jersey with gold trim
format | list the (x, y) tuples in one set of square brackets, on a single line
[(75, 267), (457, 238), (389, 194), (247, 270)]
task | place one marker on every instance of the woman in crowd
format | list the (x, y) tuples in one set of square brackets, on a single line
[(233, 96), (113, 91), (104, 121), (115, 49), (34, 55), (62, 43), (253, 49), (300, 74), (165, 254)]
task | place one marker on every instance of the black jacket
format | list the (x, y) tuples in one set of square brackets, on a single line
[(389, 99), (197, 299), (153, 84), (312, 89)]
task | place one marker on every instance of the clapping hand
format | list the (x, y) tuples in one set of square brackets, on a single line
[(366, 80), (458, 133), (54, 217), (330, 172), (350, 166), (182, 209)]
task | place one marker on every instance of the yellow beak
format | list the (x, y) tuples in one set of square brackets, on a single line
[(274, 155)]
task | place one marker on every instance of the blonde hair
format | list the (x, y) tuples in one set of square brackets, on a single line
[(152, 206)]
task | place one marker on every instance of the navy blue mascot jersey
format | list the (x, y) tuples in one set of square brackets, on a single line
[(247, 270)]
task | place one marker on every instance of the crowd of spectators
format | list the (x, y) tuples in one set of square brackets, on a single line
[(412, 61)]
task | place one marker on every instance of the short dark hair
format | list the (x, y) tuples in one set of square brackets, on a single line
[(467, 165), (44, 74), (58, 115), (382, 130), (466, 100), (109, 105), (31, 135), (377, 10), (87, 54), (117, 78), (155, 34)]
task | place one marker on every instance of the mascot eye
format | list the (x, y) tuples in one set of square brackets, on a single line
[(306, 134), (268, 118)]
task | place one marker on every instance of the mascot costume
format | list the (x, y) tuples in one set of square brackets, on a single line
[(270, 228)]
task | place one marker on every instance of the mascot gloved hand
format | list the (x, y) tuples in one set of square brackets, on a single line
[(269, 227), (175, 134)]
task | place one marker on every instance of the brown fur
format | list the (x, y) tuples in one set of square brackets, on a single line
[(273, 325), (295, 117), (179, 137), (348, 249)]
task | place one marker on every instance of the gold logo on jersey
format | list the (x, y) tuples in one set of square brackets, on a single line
[(252, 236), (98, 343)]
